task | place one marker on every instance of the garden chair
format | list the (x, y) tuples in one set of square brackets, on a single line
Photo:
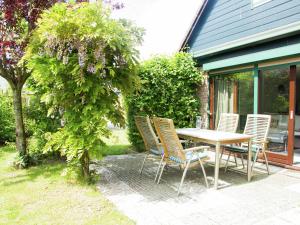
[(174, 154), (257, 125), (228, 123), (150, 139)]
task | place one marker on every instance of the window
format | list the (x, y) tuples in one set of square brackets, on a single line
[(274, 101), (256, 3), (234, 93)]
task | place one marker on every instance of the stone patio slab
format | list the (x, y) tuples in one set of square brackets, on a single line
[(273, 199)]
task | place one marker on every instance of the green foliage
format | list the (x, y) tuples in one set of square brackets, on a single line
[(38, 124), (117, 144), (81, 60), (169, 89), (7, 122)]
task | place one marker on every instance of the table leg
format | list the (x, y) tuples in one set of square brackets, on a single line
[(249, 173), (217, 165)]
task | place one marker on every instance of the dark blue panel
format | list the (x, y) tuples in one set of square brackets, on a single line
[(228, 20)]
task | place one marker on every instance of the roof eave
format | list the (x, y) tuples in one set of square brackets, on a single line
[(190, 31)]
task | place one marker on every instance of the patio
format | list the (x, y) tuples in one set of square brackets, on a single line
[(273, 199)]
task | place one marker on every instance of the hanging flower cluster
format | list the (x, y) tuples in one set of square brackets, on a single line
[(87, 55)]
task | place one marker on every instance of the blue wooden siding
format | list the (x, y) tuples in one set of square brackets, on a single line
[(254, 54), (228, 20)]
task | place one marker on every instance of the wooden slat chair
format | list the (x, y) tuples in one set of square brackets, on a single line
[(150, 139), (258, 126), (228, 123), (174, 152)]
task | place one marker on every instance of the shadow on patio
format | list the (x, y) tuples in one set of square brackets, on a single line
[(147, 203), (126, 169)]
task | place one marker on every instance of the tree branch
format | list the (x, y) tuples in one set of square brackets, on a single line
[(8, 74)]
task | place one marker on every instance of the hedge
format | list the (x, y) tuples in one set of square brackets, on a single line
[(168, 89), (7, 122)]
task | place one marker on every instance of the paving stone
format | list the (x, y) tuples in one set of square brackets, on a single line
[(273, 199)]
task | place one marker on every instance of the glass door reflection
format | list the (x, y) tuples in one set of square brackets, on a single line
[(274, 101)]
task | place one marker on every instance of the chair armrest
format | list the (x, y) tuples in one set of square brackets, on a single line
[(196, 148), (260, 142), (255, 142)]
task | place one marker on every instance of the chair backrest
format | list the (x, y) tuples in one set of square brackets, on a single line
[(201, 122), (169, 138), (149, 137), (258, 125), (228, 122)]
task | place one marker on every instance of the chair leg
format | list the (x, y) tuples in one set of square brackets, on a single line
[(234, 155), (180, 167), (162, 169), (242, 158), (221, 155), (254, 160), (267, 163), (183, 176), (157, 172), (204, 173), (141, 170), (227, 161)]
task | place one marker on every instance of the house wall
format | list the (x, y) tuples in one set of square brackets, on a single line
[(234, 55), (228, 20)]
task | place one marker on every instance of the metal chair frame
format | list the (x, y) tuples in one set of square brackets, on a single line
[(257, 125)]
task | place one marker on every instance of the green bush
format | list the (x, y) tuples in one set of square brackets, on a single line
[(168, 89), (7, 124), (38, 124)]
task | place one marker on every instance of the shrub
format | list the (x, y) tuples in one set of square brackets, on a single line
[(38, 124), (168, 89), (81, 59), (7, 124)]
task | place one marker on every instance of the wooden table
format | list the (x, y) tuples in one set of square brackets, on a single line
[(217, 138)]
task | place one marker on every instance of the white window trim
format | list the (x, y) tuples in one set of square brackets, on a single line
[(259, 3)]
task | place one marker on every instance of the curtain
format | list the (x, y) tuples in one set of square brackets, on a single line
[(223, 97)]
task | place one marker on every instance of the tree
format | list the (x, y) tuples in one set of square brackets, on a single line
[(81, 59), (18, 19)]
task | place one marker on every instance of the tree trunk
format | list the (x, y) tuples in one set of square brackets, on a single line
[(20, 128), (85, 164)]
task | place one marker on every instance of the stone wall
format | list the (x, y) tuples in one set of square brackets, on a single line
[(203, 94)]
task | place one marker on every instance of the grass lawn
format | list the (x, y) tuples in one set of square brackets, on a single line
[(40, 195), (117, 144)]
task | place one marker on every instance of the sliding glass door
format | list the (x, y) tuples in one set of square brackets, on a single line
[(277, 94), (274, 101), (223, 98), (297, 121), (244, 96), (234, 93)]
